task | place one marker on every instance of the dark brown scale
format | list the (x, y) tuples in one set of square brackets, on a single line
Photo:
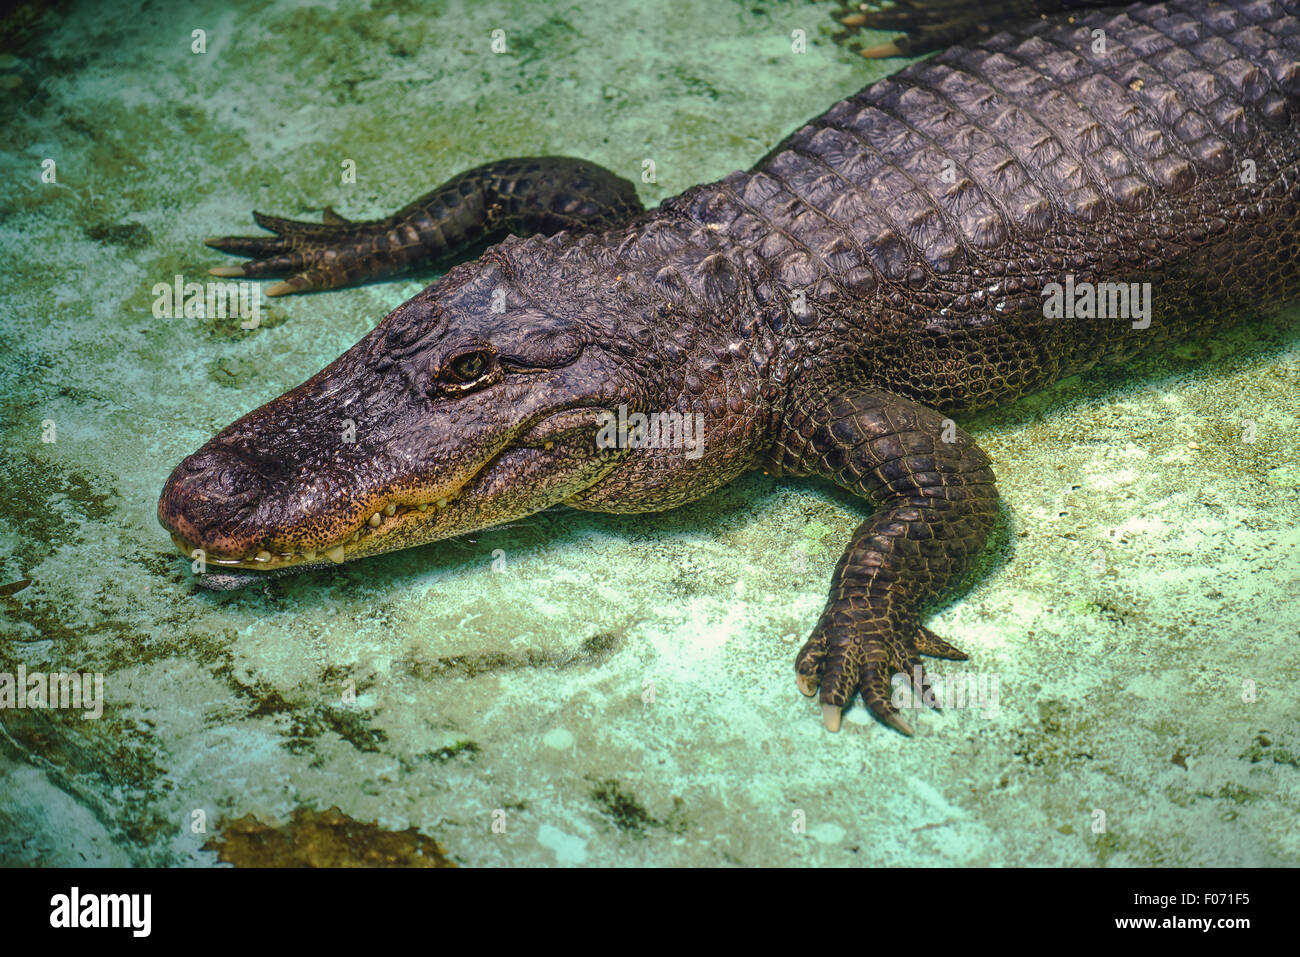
[(881, 269), (1123, 167), (1079, 162)]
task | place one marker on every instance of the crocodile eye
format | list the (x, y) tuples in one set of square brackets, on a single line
[(469, 366)]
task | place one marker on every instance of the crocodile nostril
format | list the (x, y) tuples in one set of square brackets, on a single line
[(237, 482), (199, 462), (210, 500)]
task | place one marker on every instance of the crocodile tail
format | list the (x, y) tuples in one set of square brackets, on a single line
[(927, 25)]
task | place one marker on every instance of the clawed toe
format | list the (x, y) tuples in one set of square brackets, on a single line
[(296, 227), (831, 715), (842, 665), (895, 721), (928, 643), (331, 218), (306, 257)]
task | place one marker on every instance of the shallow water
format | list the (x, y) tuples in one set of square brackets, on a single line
[(618, 690)]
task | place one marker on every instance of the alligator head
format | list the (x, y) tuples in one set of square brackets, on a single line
[(474, 403)]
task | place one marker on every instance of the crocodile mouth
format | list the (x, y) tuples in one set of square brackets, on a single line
[(391, 515), (412, 513), (383, 526)]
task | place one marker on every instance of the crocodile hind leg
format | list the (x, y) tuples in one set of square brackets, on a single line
[(936, 502), (527, 195)]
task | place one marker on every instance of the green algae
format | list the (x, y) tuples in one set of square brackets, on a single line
[(327, 838)]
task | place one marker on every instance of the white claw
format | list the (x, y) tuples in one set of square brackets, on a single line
[(831, 716), (898, 724)]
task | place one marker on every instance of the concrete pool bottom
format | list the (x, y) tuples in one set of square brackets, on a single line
[(585, 689)]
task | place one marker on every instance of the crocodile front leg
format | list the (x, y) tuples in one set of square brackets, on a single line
[(936, 502), (542, 194)]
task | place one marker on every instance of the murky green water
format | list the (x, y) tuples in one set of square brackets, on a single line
[(621, 690)]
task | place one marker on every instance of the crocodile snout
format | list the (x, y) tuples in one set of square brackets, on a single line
[(210, 500)]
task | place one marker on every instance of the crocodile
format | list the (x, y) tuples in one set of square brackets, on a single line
[(1066, 189)]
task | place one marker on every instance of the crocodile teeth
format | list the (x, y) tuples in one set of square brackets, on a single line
[(375, 520), (309, 555), (390, 509), (335, 554), (423, 506), (263, 556), (442, 503)]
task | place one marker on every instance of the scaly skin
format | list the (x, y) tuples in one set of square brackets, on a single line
[(526, 195), (826, 312)]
